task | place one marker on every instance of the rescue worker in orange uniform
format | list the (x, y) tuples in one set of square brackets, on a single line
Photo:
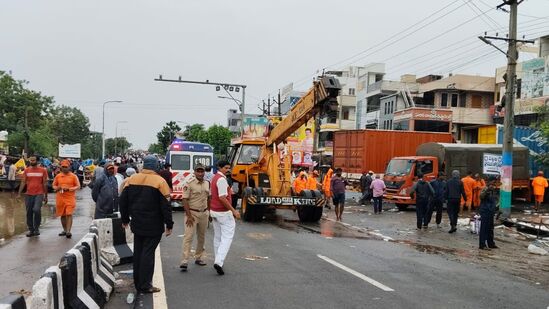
[(300, 183), (469, 186), (326, 183), (539, 184), (312, 182), (65, 185), (479, 185)]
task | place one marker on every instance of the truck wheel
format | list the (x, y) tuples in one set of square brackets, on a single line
[(401, 207), (305, 213), (320, 203), (258, 210), (245, 208)]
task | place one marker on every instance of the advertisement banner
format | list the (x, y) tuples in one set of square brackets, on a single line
[(255, 127), (301, 144), (69, 151), (491, 164)]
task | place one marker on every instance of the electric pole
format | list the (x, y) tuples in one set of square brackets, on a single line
[(509, 123)]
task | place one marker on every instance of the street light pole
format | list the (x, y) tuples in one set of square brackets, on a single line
[(224, 85), (116, 135), (103, 129)]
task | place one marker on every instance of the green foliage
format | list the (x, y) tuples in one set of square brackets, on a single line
[(217, 136), (220, 138), (68, 124), (167, 134), (31, 117), (196, 133), (156, 148), (16, 101), (115, 146), (91, 146)]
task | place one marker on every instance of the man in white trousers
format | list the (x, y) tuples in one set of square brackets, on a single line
[(223, 215)]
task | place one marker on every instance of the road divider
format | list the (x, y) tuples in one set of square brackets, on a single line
[(13, 302), (116, 244), (357, 274)]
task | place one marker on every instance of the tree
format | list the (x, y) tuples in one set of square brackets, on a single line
[(167, 134), (219, 138), (68, 124), (156, 148), (196, 133), (91, 146), (115, 146)]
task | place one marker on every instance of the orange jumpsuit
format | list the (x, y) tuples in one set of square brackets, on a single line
[(312, 183), (468, 186), (479, 185), (300, 184), (65, 201), (326, 183), (539, 184)]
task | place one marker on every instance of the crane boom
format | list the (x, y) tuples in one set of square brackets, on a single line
[(321, 96)]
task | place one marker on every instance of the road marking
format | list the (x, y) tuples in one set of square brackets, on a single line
[(159, 299), (357, 274)]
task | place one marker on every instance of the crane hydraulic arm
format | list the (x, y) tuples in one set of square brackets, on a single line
[(321, 98)]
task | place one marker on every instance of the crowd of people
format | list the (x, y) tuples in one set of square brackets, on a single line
[(139, 188)]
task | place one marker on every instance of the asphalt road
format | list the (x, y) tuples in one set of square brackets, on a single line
[(283, 264)]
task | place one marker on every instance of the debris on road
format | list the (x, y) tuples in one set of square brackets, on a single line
[(255, 257), (540, 247)]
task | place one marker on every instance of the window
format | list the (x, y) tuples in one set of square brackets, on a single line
[(463, 100), (385, 108), (424, 167), (519, 86), (392, 107), (390, 124), (444, 100), (476, 101), (402, 125), (180, 162), (248, 154), (351, 91), (454, 99), (234, 122)]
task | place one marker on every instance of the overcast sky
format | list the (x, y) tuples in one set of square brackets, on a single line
[(86, 52)]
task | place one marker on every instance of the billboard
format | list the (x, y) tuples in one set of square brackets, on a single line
[(301, 144), (255, 127)]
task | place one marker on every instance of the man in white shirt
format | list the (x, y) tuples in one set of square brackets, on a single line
[(223, 214)]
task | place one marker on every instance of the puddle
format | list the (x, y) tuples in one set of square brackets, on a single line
[(13, 219), (434, 249)]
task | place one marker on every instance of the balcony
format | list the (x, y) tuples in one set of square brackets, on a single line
[(469, 115)]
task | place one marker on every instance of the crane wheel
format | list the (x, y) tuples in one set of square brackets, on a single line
[(252, 212), (305, 213), (320, 203)]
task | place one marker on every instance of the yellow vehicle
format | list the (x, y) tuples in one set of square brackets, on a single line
[(262, 170)]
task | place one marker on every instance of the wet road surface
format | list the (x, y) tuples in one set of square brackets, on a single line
[(281, 263), (23, 259)]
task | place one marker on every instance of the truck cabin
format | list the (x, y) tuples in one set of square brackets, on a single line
[(241, 156), (412, 166)]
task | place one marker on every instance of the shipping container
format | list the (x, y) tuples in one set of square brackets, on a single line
[(356, 151), (533, 139)]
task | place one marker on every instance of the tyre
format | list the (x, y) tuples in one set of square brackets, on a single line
[(258, 211), (306, 213), (401, 207), (317, 211), (245, 209)]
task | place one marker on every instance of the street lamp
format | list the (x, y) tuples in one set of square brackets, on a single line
[(103, 130), (116, 135)]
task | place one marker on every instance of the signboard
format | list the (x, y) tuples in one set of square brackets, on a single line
[(287, 201), (255, 127), (301, 144), (491, 164), (69, 151)]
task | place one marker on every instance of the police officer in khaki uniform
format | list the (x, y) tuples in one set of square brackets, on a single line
[(196, 200)]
